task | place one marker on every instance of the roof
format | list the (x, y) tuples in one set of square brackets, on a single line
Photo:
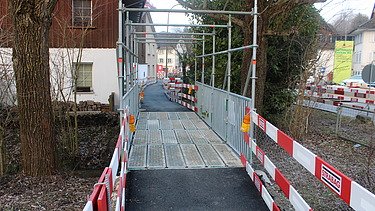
[(134, 16)]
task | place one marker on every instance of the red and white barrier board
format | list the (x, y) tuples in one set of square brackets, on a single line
[(194, 87), (259, 185), (101, 197), (289, 191), (189, 106), (349, 191)]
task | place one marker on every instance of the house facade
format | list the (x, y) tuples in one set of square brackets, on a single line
[(364, 45), (168, 57), (148, 46), (83, 40)]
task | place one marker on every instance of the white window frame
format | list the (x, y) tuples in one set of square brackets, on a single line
[(77, 69)]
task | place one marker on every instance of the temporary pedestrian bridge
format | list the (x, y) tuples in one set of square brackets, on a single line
[(210, 136)]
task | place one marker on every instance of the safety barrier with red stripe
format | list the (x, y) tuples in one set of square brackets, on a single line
[(289, 191), (341, 89), (189, 106), (101, 196), (259, 185), (189, 97), (357, 97), (194, 87), (348, 190)]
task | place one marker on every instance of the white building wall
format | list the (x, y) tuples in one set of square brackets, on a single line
[(364, 50), (104, 73)]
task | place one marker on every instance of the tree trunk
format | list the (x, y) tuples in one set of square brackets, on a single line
[(32, 22)]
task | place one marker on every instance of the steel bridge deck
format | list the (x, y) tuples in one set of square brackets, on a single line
[(177, 140)]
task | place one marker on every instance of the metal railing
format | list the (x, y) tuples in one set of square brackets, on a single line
[(131, 100), (223, 111)]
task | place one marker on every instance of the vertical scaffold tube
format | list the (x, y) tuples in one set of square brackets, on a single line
[(203, 49), (120, 59), (253, 63), (127, 54), (229, 53)]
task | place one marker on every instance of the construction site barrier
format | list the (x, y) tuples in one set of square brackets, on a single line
[(267, 198), (175, 95), (103, 192), (348, 190)]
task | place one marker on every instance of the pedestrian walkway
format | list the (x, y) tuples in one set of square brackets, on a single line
[(178, 140)]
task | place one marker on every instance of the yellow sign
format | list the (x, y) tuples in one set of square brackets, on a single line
[(343, 61)]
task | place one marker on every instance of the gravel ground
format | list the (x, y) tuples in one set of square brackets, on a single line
[(356, 162)]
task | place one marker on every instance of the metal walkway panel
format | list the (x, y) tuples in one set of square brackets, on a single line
[(152, 115), (154, 137), (153, 124), (228, 156), (209, 155), (169, 137), (162, 115), (212, 137), (138, 157), (192, 157), (188, 125), (143, 115), (199, 124), (165, 124), (140, 137), (176, 124), (172, 115), (142, 125), (197, 137), (183, 137), (174, 156), (192, 115), (155, 157), (183, 115)]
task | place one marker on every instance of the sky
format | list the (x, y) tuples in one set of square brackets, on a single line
[(330, 10)]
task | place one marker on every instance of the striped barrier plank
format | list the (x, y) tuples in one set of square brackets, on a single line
[(189, 106), (189, 97), (355, 98), (101, 197), (193, 87), (349, 191), (267, 198), (289, 191)]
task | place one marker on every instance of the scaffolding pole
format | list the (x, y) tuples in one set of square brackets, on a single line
[(178, 25), (227, 51), (170, 33), (187, 11), (253, 63), (167, 42), (167, 38), (229, 48), (120, 60), (213, 58), (203, 49), (127, 64)]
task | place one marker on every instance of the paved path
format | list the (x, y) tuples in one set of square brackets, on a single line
[(155, 100), (197, 189)]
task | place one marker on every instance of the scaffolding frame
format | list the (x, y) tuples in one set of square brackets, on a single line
[(129, 50)]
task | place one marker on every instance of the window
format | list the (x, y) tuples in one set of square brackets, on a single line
[(169, 60), (84, 77), (82, 13), (161, 60)]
